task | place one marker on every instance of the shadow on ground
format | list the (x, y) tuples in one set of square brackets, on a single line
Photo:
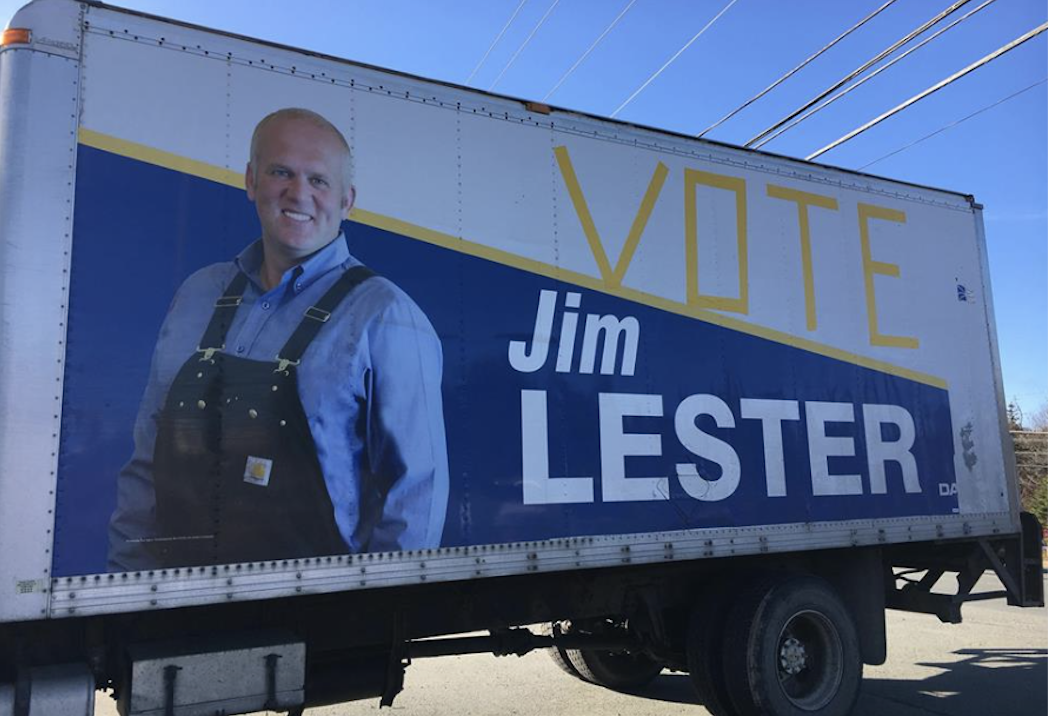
[(673, 688), (983, 682)]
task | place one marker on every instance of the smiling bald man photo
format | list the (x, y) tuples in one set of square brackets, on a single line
[(293, 407)]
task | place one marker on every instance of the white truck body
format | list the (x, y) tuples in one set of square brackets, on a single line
[(808, 358)]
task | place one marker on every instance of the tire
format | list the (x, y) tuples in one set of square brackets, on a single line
[(791, 649), (619, 671), (704, 648), (558, 655)]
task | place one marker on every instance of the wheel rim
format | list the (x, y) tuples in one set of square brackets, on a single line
[(809, 660)]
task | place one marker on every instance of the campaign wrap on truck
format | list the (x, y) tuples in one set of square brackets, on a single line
[(629, 338), (569, 410)]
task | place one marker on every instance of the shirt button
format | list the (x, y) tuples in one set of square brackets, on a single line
[(240, 349), (265, 305), (298, 287)]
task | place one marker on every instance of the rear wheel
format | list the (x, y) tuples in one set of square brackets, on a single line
[(558, 655), (791, 649), (620, 671)]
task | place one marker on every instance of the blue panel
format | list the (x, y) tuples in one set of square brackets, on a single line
[(166, 225), (139, 231), (677, 357)]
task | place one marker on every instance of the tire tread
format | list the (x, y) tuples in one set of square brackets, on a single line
[(591, 667), (747, 681), (558, 655)]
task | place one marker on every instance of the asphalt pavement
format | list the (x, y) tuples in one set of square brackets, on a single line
[(994, 664)]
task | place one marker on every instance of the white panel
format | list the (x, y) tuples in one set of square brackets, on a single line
[(38, 107), (658, 266), (902, 246), (138, 93), (406, 160), (613, 185), (717, 241), (507, 187), (152, 76), (776, 269), (836, 272), (1008, 490), (991, 483)]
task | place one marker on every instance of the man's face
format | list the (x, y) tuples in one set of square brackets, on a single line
[(297, 183)]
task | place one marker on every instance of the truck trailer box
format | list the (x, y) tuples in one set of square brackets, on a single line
[(589, 364)]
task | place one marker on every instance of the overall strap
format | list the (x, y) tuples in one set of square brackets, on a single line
[(319, 314), (214, 338)]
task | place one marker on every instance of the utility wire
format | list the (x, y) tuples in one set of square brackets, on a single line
[(591, 47), (523, 45), (935, 88), (870, 76), (953, 124), (792, 72), (671, 60), (496, 41), (865, 66)]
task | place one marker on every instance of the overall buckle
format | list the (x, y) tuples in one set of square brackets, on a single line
[(284, 363), (208, 352)]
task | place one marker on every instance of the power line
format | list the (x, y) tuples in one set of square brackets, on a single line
[(931, 90), (870, 76), (591, 47), (671, 60), (496, 41), (954, 123), (523, 45), (865, 66), (794, 71)]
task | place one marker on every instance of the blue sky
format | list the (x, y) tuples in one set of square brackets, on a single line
[(999, 156)]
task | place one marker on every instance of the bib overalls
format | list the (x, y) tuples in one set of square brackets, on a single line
[(236, 472)]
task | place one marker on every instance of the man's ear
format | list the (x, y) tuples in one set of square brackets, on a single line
[(348, 200), (249, 181)]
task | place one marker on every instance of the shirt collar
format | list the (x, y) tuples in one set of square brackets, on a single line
[(330, 257)]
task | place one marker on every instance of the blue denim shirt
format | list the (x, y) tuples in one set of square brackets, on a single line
[(369, 384)]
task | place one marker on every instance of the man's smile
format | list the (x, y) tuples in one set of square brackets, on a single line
[(298, 179), (296, 215)]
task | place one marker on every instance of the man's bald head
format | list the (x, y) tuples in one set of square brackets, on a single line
[(298, 179), (303, 115)]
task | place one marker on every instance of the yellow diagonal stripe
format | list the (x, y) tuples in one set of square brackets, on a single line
[(161, 158), (195, 168)]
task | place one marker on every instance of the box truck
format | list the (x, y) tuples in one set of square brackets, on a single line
[(280, 405)]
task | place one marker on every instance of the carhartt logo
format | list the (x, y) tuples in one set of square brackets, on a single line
[(257, 470)]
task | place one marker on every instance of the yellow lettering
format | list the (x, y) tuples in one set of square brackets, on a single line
[(871, 268), (692, 178), (612, 277), (803, 200)]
